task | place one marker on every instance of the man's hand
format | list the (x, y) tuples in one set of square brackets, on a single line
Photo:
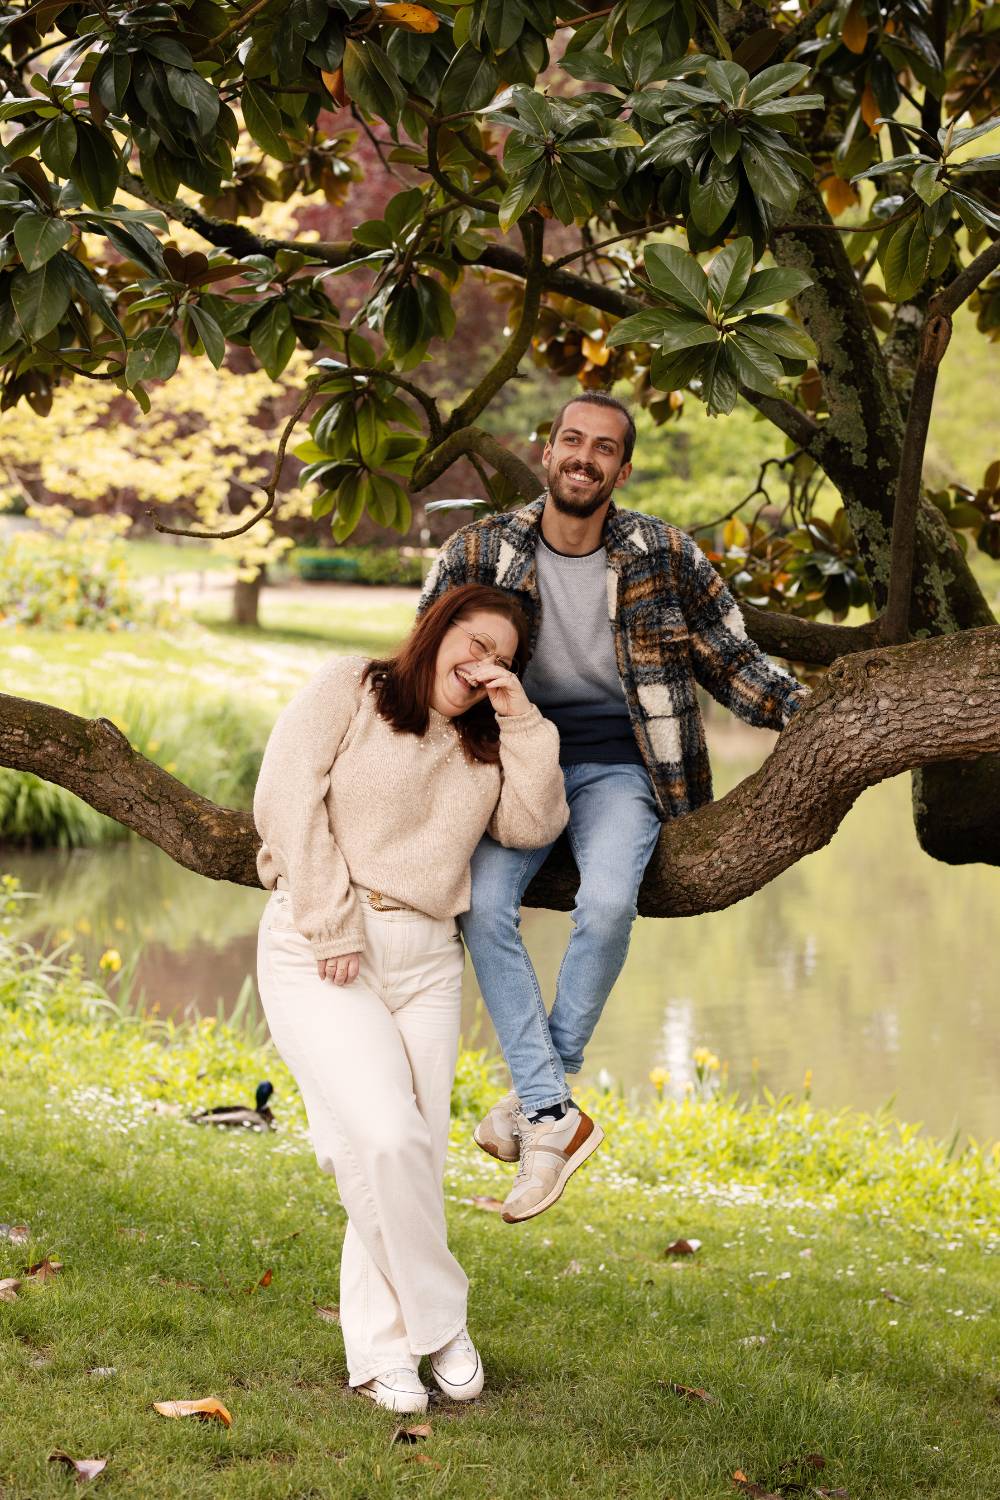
[(342, 970), (503, 688)]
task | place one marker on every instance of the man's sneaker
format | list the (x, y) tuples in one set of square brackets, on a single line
[(458, 1369), (396, 1390), (495, 1133), (551, 1151)]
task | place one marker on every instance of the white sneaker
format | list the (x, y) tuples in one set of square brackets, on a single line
[(396, 1390), (458, 1369)]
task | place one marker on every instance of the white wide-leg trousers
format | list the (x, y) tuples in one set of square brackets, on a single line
[(374, 1061)]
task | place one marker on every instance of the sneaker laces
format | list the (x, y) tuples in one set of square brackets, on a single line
[(388, 1377), (460, 1344)]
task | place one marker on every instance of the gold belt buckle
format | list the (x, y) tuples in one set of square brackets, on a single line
[(377, 904)]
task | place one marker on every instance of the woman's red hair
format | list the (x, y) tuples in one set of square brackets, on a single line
[(403, 684)]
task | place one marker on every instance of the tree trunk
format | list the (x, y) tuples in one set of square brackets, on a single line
[(246, 599), (956, 808), (876, 714)]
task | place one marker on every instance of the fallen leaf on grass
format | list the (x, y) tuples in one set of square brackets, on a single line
[(755, 1491), (17, 1234), (891, 1297), (86, 1468), (9, 1288), (265, 1280), (412, 1434), (690, 1392), (832, 1494), (44, 1270), (328, 1314), (102, 1370), (490, 1205), (422, 1458), (208, 1409), (683, 1247)]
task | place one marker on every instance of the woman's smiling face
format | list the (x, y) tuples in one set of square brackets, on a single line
[(453, 690)]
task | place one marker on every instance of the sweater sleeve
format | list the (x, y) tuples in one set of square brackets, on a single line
[(726, 662), (450, 568), (531, 811), (290, 813)]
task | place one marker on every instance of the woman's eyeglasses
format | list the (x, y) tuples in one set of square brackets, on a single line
[(484, 648)]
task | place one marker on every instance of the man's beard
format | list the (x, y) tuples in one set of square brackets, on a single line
[(567, 504)]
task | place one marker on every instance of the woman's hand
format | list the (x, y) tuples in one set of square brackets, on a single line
[(342, 970), (503, 688)]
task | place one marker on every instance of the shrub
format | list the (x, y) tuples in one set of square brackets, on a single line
[(69, 575), (373, 565)]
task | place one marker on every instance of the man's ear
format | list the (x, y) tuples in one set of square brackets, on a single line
[(623, 473), (546, 453)]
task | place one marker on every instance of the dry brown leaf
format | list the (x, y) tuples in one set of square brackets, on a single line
[(328, 1314), (683, 1247), (265, 1280), (412, 1434), (838, 194), (44, 1270), (209, 1409), (489, 1205), (596, 350), (9, 1287), (891, 1296), (86, 1468), (422, 1458), (855, 33), (334, 83), (755, 1491), (411, 17), (690, 1392), (17, 1234), (870, 111)]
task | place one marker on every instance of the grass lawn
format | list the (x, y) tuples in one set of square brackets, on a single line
[(843, 1302)]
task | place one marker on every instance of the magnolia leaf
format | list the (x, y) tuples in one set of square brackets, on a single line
[(677, 275), (38, 237), (209, 332), (730, 271), (411, 17), (154, 355), (779, 334), (86, 1468), (520, 195), (40, 297), (765, 288)]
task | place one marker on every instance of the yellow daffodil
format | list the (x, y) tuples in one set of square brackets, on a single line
[(110, 961)]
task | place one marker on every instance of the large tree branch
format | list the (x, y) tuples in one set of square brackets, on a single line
[(469, 440), (876, 714), (814, 642)]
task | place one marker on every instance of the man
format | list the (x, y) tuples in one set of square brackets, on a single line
[(627, 615)]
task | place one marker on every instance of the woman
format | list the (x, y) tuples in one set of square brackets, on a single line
[(378, 781)]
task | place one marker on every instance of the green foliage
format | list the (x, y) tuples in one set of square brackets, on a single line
[(76, 580), (709, 328), (374, 565), (940, 200)]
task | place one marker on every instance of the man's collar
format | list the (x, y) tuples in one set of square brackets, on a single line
[(621, 537)]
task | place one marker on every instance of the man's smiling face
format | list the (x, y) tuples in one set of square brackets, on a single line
[(584, 459)]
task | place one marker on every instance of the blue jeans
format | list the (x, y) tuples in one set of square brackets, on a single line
[(613, 828)]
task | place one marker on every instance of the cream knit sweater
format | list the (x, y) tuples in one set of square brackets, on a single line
[(343, 797)]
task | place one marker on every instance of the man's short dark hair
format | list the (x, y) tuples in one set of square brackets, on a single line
[(598, 398)]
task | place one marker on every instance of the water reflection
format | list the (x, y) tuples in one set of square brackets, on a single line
[(867, 962)]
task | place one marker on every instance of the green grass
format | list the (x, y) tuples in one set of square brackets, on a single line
[(147, 557), (807, 1222)]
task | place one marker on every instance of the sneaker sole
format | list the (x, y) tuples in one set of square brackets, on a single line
[(578, 1158), (491, 1149)]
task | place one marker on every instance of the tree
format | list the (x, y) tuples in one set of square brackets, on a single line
[(569, 150)]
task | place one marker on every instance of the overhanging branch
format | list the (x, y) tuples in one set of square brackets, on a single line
[(876, 714)]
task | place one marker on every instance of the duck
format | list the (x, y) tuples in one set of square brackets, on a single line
[(257, 1118)]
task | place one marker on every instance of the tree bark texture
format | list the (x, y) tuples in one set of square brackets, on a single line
[(876, 714)]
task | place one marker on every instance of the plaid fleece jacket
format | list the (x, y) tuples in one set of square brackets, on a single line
[(675, 624)]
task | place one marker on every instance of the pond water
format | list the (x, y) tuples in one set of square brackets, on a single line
[(867, 963)]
